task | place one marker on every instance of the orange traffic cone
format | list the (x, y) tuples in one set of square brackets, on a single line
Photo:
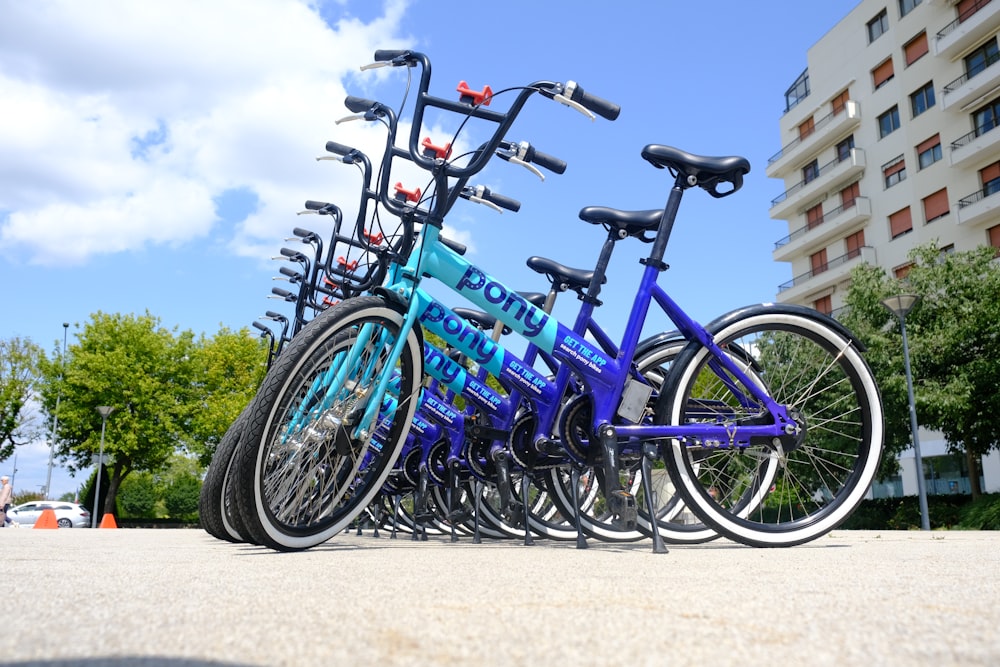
[(108, 521), (47, 519)]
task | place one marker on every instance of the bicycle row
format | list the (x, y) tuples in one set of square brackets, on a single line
[(764, 426)]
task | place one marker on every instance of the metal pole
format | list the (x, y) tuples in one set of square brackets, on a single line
[(925, 523), (104, 411), (55, 420)]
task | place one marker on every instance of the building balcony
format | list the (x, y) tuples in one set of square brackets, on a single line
[(966, 89), (979, 207), (831, 176), (826, 131), (983, 141), (965, 31), (836, 223), (834, 272)]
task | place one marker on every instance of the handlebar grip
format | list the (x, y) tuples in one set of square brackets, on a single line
[(381, 55), (358, 104), (598, 105), (311, 206), (277, 316), (553, 164), (339, 149), (454, 245), (285, 271), (284, 294), (502, 201), (304, 233), (258, 325)]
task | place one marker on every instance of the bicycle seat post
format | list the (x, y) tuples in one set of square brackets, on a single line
[(659, 248)]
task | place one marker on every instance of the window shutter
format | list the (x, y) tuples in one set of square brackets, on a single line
[(936, 205), (882, 73), (915, 48), (900, 222), (929, 143), (806, 128)]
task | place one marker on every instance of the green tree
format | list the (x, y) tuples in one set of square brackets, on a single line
[(181, 497), (143, 370), (228, 369), (138, 496), (19, 359), (954, 340)]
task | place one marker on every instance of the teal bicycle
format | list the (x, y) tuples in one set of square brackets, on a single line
[(768, 422)]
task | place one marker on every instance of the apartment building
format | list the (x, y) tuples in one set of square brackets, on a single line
[(888, 142), (891, 139)]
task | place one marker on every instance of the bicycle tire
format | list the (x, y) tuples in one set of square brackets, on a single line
[(297, 487), (812, 365), (215, 502)]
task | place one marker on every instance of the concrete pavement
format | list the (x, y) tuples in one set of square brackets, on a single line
[(180, 598)]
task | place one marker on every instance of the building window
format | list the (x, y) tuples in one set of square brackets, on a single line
[(900, 223), (907, 6), (993, 236), (966, 8), (888, 122), (844, 148), (855, 242), (902, 271), (929, 151), (882, 74), (894, 171), (990, 178), (981, 58), (818, 261), (849, 194), (810, 171), (814, 216), (922, 99), (839, 103), (936, 205), (798, 90), (878, 26), (806, 128), (824, 305), (986, 118), (915, 49)]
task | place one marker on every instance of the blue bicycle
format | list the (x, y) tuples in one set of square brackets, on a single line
[(769, 421)]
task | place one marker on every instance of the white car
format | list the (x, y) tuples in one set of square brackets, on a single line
[(69, 515)]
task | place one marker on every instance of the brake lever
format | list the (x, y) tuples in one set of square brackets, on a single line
[(562, 99), (527, 165), (345, 119)]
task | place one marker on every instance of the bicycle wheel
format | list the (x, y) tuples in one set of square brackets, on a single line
[(814, 367), (215, 506), (675, 523), (306, 467)]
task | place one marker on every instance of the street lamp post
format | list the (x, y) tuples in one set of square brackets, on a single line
[(55, 421), (104, 411), (900, 305)]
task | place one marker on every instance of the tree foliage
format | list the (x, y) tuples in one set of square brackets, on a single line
[(171, 392), (228, 369), (19, 360), (954, 340)]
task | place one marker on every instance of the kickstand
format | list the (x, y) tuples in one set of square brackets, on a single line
[(574, 482), (648, 454)]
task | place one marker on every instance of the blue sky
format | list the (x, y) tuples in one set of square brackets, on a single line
[(153, 155)]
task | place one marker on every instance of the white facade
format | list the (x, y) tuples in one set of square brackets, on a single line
[(952, 91), (861, 178)]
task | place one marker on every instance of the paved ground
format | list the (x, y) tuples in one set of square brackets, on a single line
[(182, 599)]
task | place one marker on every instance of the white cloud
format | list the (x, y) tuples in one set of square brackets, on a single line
[(122, 121)]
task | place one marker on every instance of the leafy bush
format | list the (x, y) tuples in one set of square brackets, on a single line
[(181, 497), (137, 496), (984, 514)]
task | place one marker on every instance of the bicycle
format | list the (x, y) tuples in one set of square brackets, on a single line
[(754, 431)]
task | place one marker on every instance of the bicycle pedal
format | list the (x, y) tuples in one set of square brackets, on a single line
[(623, 507)]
